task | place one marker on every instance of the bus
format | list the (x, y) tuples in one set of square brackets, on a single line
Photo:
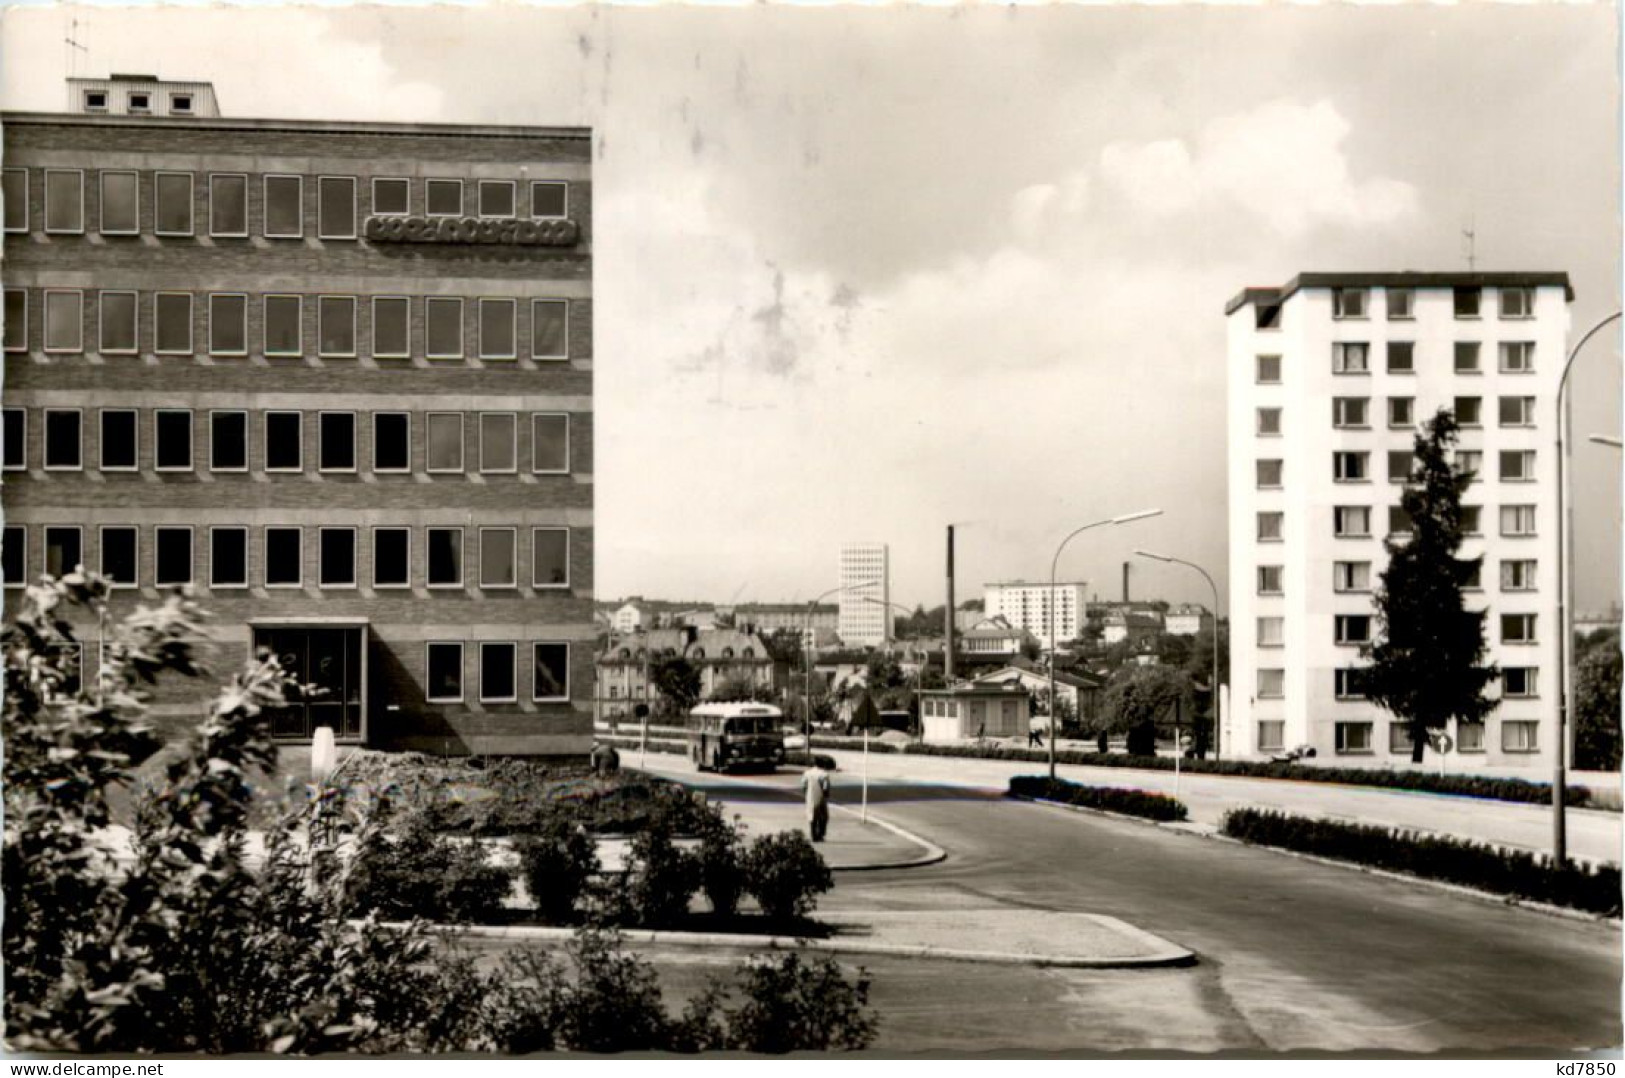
[(722, 737)]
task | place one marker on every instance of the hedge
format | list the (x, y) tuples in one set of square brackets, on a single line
[(854, 744), (1109, 798), (1435, 857), (1423, 781)]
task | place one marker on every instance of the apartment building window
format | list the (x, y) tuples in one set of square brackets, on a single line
[(1520, 681), (1399, 521), (118, 555), (16, 320), (1467, 357), (228, 324), (1271, 735), (1469, 736), (1517, 465), (64, 200), (64, 550), (1401, 304), (14, 440), (1470, 463), (390, 197), (1271, 632), (550, 557), (62, 440), (120, 199), (1349, 302), (1517, 357), (1517, 520), (228, 205), (498, 198), (445, 558), (550, 671), (1353, 628), (1353, 738), (1401, 462), (228, 557), (1269, 527), (284, 207), (1517, 411), (391, 327), (1518, 628), (499, 674), (172, 203), (1269, 474), (337, 326), (550, 443), (1401, 357), (174, 556), (14, 193), (1469, 411), (549, 329), (1401, 411), (335, 208), (445, 327), (14, 557), (444, 449), (1519, 736), (1467, 302), (549, 198), (444, 672), (1349, 357), (284, 321), (1347, 682), (64, 321), (499, 442), (1518, 574), (445, 198), (284, 557), (119, 438), (1351, 467), (1475, 575), (1269, 421), (228, 441), (1351, 412), (1269, 580), (391, 557), (172, 323), (1472, 520), (1268, 370), (499, 552), (284, 442), (1517, 303), (1271, 684), (1351, 521), (1351, 576), (336, 442), (1399, 738), (116, 317), (497, 319), (336, 557), (391, 442)]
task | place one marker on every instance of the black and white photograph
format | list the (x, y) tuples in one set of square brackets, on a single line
[(654, 532)]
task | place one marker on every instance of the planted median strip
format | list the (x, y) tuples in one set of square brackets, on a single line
[(1105, 798)]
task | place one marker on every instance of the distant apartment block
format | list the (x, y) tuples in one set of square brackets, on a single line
[(1027, 606), (1186, 619), (865, 579)]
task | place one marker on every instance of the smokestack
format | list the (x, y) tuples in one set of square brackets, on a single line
[(1125, 583), (948, 616)]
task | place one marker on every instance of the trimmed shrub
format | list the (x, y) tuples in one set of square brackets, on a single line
[(1436, 857), (722, 864), (557, 864), (785, 874), (854, 744), (660, 877), (1108, 798), (795, 1005), (409, 870)]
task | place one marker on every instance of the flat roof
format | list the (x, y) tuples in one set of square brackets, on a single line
[(350, 127), (1405, 279)]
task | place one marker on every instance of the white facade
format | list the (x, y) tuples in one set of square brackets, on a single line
[(865, 617), (1306, 527), (628, 618), (1186, 620), (1027, 606)]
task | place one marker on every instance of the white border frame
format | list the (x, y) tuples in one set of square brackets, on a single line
[(534, 695), (101, 322), (101, 554), (376, 586), (228, 176), (45, 322), (157, 555), (5, 418), (321, 442), (513, 328), (22, 577), (355, 327), (191, 325), (191, 202), (569, 544), (531, 194), (513, 537), (46, 180), (355, 558), (373, 337), (534, 470), (513, 424), (101, 202), (265, 206), (462, 444), (536, 303), (355, 211), (429, 304), (391, 471), (248, 439), (428, 189), (28, 182), (513, 648), (428, 672), (191, 440), (101, 439), (45, 543), (248, 561), (265, 441), (265, 325), (372, 195), (45, 440), (213, 351), (265, 557), (23, 292), (462, 558), (479, 199)]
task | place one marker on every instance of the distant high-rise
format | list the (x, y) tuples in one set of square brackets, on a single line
[(865, 617), (1026, 606)]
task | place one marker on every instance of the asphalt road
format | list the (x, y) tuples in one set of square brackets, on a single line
[(1292, 955)]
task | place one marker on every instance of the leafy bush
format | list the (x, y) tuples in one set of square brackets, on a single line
[(794, 1005), (785, 874), (660, 877), (1437, 857), (558, 864), (854, 744), (1152, 806), (722, 864), (409, 870)]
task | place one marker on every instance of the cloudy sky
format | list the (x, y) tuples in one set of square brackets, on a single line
[(862, 273)]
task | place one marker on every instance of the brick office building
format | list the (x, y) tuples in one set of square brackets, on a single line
[(336, 378)]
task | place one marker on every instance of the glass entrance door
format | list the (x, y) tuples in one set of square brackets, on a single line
[(329, 663)]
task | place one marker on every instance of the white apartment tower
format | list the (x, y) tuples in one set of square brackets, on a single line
[(1330, 376), (865, 616), (1027, 606)]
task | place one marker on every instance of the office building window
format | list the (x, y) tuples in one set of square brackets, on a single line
[(1401, 304), (1269, 421), (1517, 520), (1467, 357), (1269, 527), (1351, 411), (445, 327), (391, 557), (1401, 462), (1517, 357), (1269, 579), (1269, 370), (120, 199), (14, 194), (14, 557), (228, 557), (64, 550), (64, 200), (174, 556), (1401, 411), (172, 203), (391, 442), (284, 321), (1346, 683), (1353, 628), (1517, 628), (172, 439), (550, 443), (1517, 303), (172, 323), (1353, 738), (1271, 735), (550, 672), (337, 326), (64, 321), (1351, 576), (336, 442), (391, 327), (1351, 467), (444, 558), (390, 197), (1351, 521), (550, 557), (444, 672), (1349, 357), (1517, 411), (1469, 411), (1518, 574), (284, 557), (1469, 736), (1520, 681), (16, 320), (1271, 683), (228, 441), (1271, 632), (336, 550), (1472, 520), (14, 439), (548, 199), (445, 198), (116, 311), (62, 440), (444, 449), (284, 207), (284, 442), (1269, 474), (119, 439), (499, 672), (1517, 465), (499, 438), (1401, 357), (499, 558), (118, 555), (228, 325), (1349, 302), (335, 210), (1399, 521), (497, 329), (549, 329), (1519, 736), (1467, 302), (228, 205), (498, 198), (1399, 738)]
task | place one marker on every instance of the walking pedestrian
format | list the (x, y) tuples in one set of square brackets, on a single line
[(815, 781)]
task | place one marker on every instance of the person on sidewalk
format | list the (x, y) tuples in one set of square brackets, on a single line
[(815, 781)]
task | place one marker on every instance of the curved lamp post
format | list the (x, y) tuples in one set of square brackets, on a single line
[(1053, 564), (806, 651), (1214, 684)]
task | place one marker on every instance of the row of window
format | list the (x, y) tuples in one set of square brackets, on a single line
[(289, 325), (1354, 466), (1354, 522), (137, 102), (1355, 576), (1356, 629), (1354, 413), (1355, 738), (1354, 357), (283, 203), (1355, 303), (282, 556), (338, 441)]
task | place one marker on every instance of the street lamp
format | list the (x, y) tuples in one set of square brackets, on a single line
[(1606, 439), (1559, 778), (806, 646), (1217, 741), (1054, 562)]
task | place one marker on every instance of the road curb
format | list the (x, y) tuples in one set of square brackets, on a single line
[(933, 853)]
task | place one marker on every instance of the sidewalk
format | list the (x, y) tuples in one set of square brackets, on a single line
[(851, 844)]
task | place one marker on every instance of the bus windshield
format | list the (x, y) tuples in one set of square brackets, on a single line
[(741, 725)]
